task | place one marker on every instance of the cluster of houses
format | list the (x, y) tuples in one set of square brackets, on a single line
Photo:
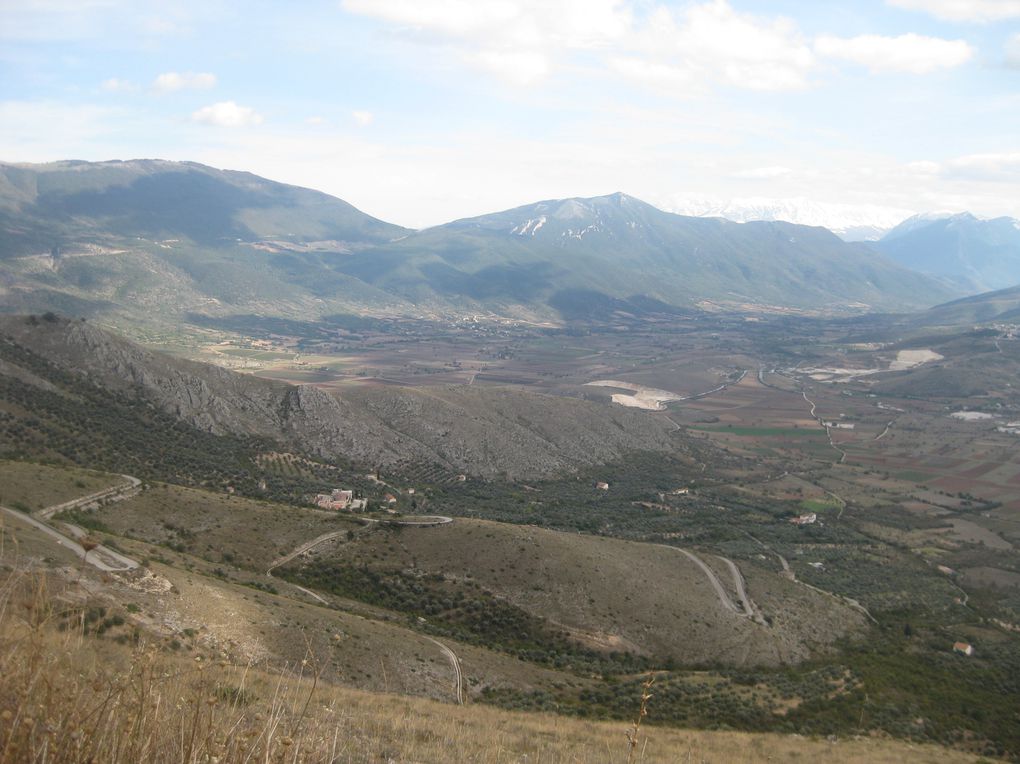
[(339, 499)]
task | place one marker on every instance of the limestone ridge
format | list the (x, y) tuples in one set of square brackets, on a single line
[(485, 432)]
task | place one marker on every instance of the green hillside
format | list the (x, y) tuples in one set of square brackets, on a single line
[(151, 243), (978, 255), (1000, 305), (622, 253)]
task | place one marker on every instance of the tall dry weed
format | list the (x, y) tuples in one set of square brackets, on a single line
[(70, 697)]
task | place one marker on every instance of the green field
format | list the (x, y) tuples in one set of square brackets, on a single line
[(819, 505)]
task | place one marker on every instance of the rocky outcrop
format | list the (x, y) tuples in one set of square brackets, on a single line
[(481, 431)]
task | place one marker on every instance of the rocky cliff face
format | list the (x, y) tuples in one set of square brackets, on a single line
[(484, 432)]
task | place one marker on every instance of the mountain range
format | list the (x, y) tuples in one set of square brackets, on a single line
[(975, 255), (152, 241)]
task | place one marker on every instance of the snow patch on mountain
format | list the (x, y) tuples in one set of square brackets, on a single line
[(530, 228), (852, 222)]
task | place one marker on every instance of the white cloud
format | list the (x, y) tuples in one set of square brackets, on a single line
[(515, 67), (762, 173), (673, 79), (169, 82), (227, 114), (678, 51), (316, 120), (525, 41), (521, 23), (989, 167), (993, 166), (714, 42), (363, 118), (964, 10), (519, 41), (907, 53), (924, 167), (114, 85)]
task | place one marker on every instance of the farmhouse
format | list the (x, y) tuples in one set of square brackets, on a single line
[(339, 499), (602, 485), (805, 519), (963, 648), (390, 498)]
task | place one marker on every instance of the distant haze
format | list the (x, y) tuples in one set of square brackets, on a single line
[(851, 222), (419, 112)]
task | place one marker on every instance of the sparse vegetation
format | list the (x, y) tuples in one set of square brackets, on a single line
[(69, 697), (739, 465)]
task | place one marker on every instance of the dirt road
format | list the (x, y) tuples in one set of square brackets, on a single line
[(746, 607), (828, 430), (750, 610), (425, 521), (429, 521), (455, 663), (116, 493), (307, 546)]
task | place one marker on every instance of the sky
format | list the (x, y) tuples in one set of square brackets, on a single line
[(424, 111)]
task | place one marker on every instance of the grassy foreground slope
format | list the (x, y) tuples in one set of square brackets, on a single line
[(66, 696)]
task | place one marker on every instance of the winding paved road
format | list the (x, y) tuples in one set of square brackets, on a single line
[(723, 386), (100, 557)]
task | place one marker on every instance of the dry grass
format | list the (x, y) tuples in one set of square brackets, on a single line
[(35, 486), (66, 696)]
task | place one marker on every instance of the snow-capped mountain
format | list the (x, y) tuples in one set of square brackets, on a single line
[(851, 222), (924, 219), (976, 254)]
